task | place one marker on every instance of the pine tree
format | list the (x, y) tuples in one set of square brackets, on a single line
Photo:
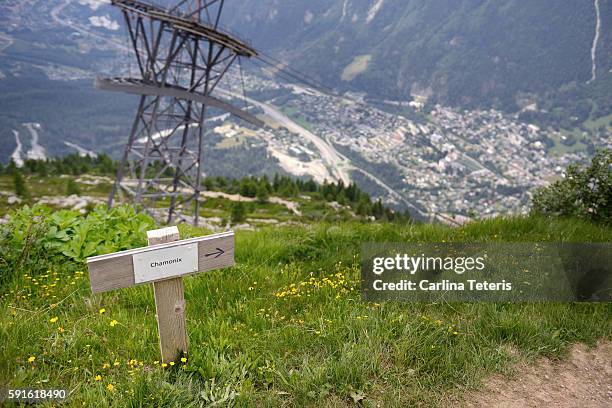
[(221, 182), (42, 169), (209, 183), (276, 183), (341, 198), (20, 186), (238, 212), (266, 182), (378, 210), (262, 194), (11, 168), (363, 208), (310, 186), (248, 188)]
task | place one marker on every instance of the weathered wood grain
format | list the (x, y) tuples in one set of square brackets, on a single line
[(116, 271), (169, 305)]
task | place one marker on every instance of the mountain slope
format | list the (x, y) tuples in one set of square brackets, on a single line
[(468, 52), (285, 327)]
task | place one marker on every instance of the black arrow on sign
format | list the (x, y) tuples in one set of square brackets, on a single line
[(218, 252)]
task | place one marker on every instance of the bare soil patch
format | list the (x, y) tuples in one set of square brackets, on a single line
[(583, 379)]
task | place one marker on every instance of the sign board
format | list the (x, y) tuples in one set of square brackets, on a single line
[(159, 262), (163, 263)]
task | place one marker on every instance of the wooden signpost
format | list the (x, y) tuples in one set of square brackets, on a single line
[(164, 262)]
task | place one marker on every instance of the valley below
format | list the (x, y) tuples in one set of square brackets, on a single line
[(440, 162), (413, 130)]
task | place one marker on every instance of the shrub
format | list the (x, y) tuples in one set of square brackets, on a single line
[(35, 236), (72, 188), (585, 192)]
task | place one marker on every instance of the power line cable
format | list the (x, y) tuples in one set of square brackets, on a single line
[(289, 77), (286, 73), (287, 68), (283, 75)]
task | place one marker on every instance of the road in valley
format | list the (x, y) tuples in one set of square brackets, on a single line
[(338, 164), (55, 15)]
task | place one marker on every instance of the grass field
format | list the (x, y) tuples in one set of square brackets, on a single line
[(312, 207), (357, 66), (285, 327)]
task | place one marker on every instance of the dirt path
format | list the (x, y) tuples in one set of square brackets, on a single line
[(582, 380)]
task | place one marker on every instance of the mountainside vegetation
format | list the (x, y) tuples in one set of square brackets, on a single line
[(92, 177), (287, 325), (529, 57), (284, 327), (471, 53), (585, 191)]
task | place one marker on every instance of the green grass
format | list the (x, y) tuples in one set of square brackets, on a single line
[(297, 117), (559, 148), (52, 186), (231, 142), (593, 124), (273, 331), (357, 66), (312, 209)]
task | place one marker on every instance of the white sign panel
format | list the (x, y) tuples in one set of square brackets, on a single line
[(165, 263)]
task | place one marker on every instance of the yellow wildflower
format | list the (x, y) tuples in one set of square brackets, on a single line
[(98, 377), (110, 387), (164, 365), (101, 311), (31, 359), (106, 365), (184, 360), (53, 319), (113, 323), (171, 363)]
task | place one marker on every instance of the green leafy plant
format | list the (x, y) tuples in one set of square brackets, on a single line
[(36, 236), (101, 231), (585, 192)]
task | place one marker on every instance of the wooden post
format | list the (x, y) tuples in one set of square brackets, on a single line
[(164, 262), (169, 304)]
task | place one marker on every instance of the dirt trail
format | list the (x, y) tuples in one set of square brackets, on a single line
[(584, 379)]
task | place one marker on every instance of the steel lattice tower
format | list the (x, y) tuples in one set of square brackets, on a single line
[(181, 54)]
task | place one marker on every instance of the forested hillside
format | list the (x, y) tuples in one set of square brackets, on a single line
[(475, 53)]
